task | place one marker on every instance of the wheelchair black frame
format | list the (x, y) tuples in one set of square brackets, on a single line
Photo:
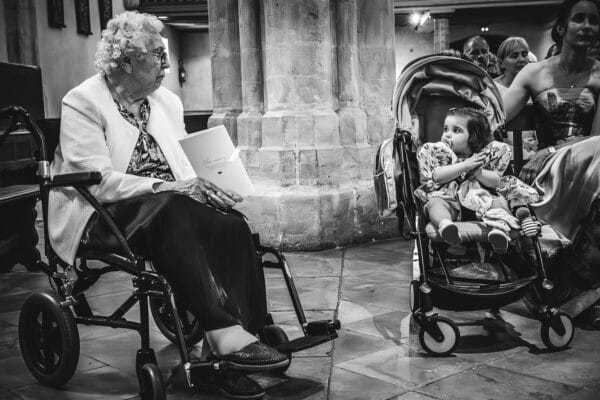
[(147, 284)]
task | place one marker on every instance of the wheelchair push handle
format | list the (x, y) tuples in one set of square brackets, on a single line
[(14, 113)]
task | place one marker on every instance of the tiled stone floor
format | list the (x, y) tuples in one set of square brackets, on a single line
[(376, 356)]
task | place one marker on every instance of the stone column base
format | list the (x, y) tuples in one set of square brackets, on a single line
[(227, 118), (313, 218)]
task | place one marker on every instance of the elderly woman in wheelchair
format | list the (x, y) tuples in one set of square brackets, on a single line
[(120, 190)]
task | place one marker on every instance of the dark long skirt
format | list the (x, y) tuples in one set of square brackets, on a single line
[(208, 257)]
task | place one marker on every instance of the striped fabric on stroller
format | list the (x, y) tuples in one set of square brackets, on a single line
[(481, 279)]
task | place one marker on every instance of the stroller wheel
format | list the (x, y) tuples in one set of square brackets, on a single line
[(450, 339), (49, 339), (557, 331), (414, 296), (152, 386)]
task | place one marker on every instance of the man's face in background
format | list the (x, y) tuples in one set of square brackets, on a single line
[(477, 50)]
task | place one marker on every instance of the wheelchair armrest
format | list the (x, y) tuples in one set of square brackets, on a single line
[(105, 216), (77, 179)]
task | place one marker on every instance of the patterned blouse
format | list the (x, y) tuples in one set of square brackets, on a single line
[(147, 158)]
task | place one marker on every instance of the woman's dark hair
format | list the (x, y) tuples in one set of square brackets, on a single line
[(564, 11), (480, 133)]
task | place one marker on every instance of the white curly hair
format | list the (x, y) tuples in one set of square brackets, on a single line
[(127, 32)]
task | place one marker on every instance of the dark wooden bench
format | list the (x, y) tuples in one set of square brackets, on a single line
[(524, 121), (21, 86)]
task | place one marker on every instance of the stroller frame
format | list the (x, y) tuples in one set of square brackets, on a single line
[(151, 290), (439, 335)]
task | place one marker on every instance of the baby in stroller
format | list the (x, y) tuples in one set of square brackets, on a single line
[(462, 178)]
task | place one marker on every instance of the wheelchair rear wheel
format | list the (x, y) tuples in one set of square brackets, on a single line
[(192, 331), (152, 384), (48, 338)]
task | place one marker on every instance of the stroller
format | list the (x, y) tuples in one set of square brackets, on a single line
[(424, 92)]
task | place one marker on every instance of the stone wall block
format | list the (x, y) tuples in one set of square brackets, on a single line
[(252, 96), (228, 119), (307, 166), (249, 126), (277, 164), (227, 95), (330, 164), (312, 90), (263, 215), (326, 127), (380, 126), (353, 126), (307, 60), (337, 217), (280, 92), (301, 220), (277, 128), (305, 129)]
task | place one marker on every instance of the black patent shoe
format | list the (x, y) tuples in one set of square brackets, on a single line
[(232, 384), (254, 357)]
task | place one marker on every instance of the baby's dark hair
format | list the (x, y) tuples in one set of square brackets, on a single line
[(480, 133)]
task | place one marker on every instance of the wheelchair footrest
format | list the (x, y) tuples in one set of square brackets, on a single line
[(323, 327), (305, 342)]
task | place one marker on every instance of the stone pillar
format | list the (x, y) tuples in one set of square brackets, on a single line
[(377, 63), (224, 41), (249, 122), (313, 180), (441, 33), (353, 120), (300, 130), (21, 32)]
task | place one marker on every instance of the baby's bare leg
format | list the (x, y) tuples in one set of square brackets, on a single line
[(438, 209)]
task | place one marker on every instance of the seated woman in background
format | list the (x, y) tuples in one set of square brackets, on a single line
[(513, 55), (564, 89), (122, 123)]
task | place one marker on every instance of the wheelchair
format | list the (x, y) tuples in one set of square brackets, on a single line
[(48, 334)]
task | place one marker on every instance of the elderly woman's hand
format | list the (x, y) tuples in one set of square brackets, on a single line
[(203, 191)]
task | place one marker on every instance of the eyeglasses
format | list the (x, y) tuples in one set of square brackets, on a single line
[(160, 54)]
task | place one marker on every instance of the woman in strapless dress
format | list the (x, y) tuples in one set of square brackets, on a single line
[(566, 168)]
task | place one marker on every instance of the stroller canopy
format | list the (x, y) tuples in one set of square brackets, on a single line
[(430, 85)]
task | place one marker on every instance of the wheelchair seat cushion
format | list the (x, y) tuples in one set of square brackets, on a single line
[(469, 231)]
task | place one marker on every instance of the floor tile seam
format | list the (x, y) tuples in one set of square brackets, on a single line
[(367, 334), (335, 316), (427, 394), (460, 371), (406, 389), (537, 377), (95, 359), (13, 393)]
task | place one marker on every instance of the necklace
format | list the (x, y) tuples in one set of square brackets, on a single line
[(574, 78)]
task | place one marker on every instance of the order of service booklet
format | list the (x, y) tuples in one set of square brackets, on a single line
[(213, 157)]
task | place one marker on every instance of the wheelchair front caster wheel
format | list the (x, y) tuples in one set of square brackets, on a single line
[(152, 386), (443, 345), (48, 338), (274, 336), (557, 331)]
